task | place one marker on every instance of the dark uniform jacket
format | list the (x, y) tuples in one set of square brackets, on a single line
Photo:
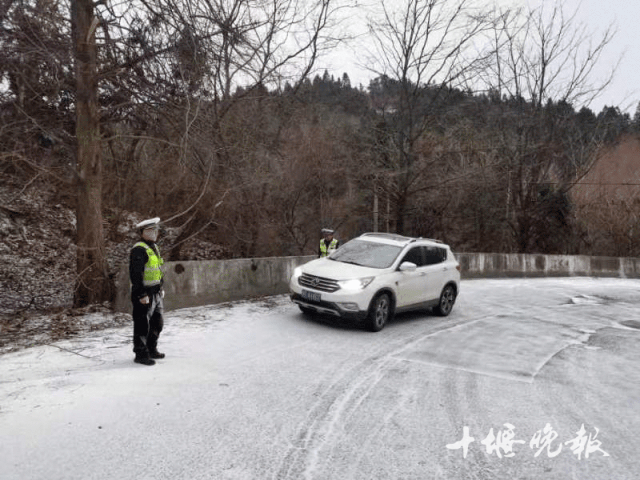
[(137, 260), (327, 245)]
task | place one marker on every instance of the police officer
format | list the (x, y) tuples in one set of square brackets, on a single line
[(328, 244), (146, 293)]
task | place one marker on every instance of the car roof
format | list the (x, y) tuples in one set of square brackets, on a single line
[(400, 240)]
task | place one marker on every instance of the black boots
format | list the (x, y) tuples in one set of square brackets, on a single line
[(144, 360), (148, 358)]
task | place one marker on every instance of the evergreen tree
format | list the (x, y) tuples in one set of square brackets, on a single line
[(636, 119), (346, 82)]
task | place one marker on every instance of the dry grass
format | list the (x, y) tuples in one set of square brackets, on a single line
[(29, 329)]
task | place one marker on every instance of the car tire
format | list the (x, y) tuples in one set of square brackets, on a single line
[(447, 299), (379, 312)]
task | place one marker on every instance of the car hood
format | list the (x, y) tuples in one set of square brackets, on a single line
[(323, 267)]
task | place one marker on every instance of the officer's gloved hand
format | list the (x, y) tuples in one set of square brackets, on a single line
[(144, 300), (162, 293)]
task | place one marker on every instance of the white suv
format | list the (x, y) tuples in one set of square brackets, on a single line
[(376, 275)]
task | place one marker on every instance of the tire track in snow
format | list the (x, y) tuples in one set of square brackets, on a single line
[(350, 388), (402, 399), (342, 397)]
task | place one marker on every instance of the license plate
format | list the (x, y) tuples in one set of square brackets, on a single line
[(307, 295)]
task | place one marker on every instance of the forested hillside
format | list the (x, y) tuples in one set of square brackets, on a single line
[(188, 115)]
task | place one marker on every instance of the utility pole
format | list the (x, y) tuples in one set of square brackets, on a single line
[(375, 211)]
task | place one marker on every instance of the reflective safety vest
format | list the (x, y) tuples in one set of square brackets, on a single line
[(152, 272), (324, 251)]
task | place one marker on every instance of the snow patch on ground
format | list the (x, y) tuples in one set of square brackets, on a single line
[(585, 300)]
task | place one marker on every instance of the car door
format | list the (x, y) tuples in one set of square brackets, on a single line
[(436, 271), (411, 285)]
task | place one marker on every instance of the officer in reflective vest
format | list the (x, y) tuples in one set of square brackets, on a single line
[(328, 244), (147, 294)]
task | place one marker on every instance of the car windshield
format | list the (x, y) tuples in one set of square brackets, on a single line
[(366, 254)]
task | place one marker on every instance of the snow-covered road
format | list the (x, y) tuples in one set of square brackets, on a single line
[(527, 378)]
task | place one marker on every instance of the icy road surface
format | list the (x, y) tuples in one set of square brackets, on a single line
[(526, 379)]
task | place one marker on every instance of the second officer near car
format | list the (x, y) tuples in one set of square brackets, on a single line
[(328, 244)]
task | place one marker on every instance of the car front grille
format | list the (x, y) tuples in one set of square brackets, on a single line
[(318, 283)]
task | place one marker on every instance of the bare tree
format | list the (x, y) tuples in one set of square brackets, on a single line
[(35, 78), (137, 60), (544, 65), (241, 48), (93, 284), (546, 54), (422, 50)]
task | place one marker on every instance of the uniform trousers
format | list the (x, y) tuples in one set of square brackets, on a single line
[(147, 324)]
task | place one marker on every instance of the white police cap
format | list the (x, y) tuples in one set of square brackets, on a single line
[(151, 222), (327, 230)]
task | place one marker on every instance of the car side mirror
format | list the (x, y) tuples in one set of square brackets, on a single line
[(408, 267)]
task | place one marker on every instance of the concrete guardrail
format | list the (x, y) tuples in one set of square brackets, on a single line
[(196, 283)]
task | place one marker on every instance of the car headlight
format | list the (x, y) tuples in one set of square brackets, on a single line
[(355, 283), (296, 273)]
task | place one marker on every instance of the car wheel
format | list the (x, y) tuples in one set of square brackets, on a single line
[(379, 312), (447, 299)]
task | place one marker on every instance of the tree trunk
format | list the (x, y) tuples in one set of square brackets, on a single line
[(93, 284)]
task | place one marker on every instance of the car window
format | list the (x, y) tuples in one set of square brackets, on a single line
[(414, 256), (434, 255), (367, 254)]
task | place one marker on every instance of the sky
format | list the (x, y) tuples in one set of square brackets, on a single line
[(596, 15), (624, 91)]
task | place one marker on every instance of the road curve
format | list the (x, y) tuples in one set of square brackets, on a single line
[(540, 374)]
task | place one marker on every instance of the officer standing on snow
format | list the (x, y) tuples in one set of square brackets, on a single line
[(146, 293), (328, 244)]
